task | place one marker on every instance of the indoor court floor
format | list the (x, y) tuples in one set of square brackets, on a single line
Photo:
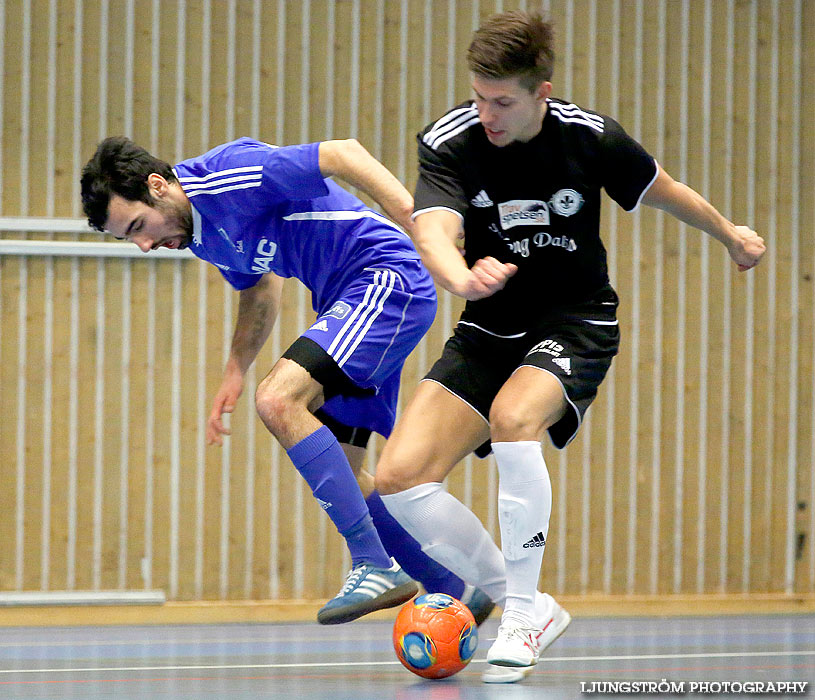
[(356, 661)]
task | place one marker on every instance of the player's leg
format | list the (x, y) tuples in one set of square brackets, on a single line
[(286, 400), (355, 352), (444, 421), (551, 391), (472, 370), (530, 402), (397, 542), (436, 431)]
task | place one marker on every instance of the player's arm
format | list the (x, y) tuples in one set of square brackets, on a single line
[(348, 160), (744, 245), (435, 233), (257, 310)]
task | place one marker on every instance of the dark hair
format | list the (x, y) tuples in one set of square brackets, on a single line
[(513, 44), (119, 167)]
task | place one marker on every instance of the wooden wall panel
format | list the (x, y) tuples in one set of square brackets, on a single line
[(804, 526), (694, 471)]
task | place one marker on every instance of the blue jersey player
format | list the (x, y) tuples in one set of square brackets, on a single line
[(262, 213)]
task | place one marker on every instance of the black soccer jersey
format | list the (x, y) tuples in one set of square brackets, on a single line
[(535, 204)]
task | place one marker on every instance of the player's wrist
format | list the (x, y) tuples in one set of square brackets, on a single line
[(235, 368)]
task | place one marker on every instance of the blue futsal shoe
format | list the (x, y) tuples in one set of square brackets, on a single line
[(368, 588)]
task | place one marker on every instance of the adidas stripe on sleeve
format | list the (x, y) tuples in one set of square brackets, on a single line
[(440, 185), (268, 175)]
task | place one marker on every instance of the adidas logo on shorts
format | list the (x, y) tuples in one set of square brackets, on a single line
[(564, 363), (482, 199), (325, 505), (537, 541)]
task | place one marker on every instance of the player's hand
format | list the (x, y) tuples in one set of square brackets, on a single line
[(225, 401), (487, 276), (747, 248)]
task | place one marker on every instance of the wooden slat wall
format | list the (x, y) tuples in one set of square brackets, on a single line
[(694, 470)]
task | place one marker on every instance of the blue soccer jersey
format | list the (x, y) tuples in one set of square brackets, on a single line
[(259, 208)]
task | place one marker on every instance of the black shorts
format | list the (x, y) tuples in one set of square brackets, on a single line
[(475, 364)]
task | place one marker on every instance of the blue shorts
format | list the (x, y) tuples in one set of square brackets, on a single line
[(369, 331)]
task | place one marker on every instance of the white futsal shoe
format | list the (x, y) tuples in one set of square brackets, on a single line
[(516, 645), (517, 649)]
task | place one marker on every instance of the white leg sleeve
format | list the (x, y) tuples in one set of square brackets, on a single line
[(450, 533), (524, 507)]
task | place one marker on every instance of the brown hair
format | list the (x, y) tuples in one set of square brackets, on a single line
[(513, 44)]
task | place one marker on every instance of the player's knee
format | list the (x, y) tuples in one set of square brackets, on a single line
[(393, 476), (512, 423), (386, 481), (274, 407)]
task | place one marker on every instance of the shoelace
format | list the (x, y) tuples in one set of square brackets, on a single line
[(523, 632), (353, 578)]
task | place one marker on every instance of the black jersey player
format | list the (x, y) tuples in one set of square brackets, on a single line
[(520, 174)]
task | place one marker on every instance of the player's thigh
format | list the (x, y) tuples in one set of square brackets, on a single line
[(434, 433), (529, 403), (577, 353), (288, 383)]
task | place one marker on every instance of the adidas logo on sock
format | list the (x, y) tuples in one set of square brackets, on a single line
[(537, 541), (482, 199)]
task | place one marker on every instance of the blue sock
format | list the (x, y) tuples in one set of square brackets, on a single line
[(322, 463), (407, 551)]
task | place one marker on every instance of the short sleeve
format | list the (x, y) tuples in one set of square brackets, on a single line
[(252, 175), (439, 184), (293, 172), (627, 170)]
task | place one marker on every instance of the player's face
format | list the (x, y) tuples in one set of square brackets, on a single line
[(166, 224), (509, 111)]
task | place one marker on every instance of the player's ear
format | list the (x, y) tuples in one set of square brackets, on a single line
[(543, 91), (157, 185)]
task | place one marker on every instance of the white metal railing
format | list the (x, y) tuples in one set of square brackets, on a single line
[(43, 224), (76, 249), (87, 249)]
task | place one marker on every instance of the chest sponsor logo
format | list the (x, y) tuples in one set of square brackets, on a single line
[(239, 247), (339, 310), (482, 199), (566, 202), (540, 240), (544, 239), (264, 255), (523, 212)]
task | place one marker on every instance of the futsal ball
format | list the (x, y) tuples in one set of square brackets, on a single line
[(435, 635)]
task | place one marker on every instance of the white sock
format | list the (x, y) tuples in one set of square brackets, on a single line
[(450, 533), (524, 507)]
